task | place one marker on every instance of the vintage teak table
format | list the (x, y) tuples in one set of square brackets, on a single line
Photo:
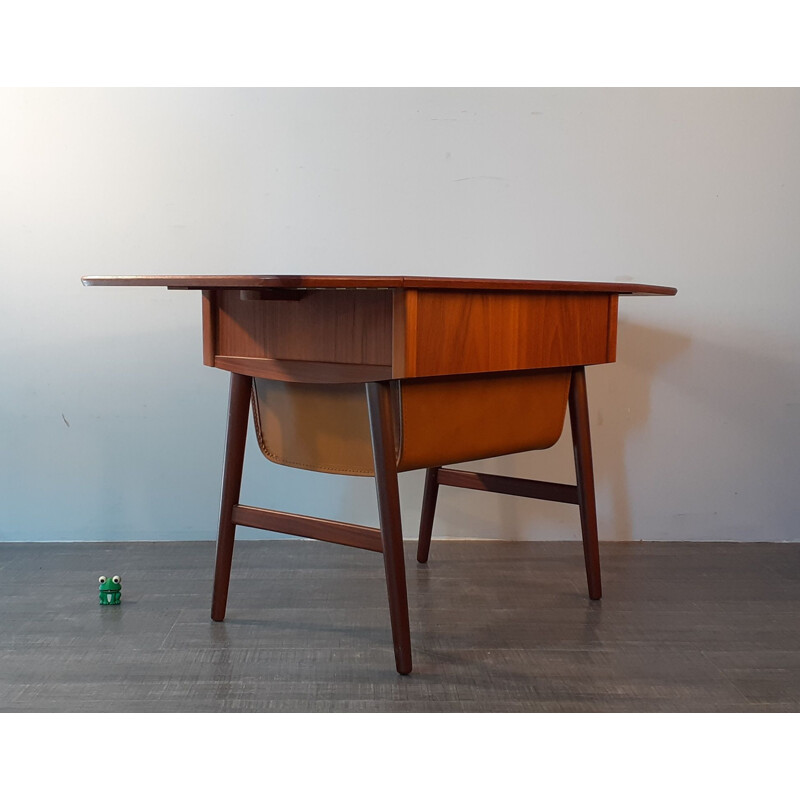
[(377, 375)]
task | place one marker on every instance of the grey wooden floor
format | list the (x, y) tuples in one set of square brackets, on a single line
[(496, 627)]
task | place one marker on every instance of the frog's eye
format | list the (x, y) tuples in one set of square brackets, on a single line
[(115, 579), (102, 579)]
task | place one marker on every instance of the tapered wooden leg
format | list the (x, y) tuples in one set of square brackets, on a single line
[(428, 510), (382, 430), (238, 408), (582, 448)]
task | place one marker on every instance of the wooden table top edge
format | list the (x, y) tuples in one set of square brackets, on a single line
[(372, 282)]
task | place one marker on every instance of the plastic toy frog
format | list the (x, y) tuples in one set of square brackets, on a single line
[(110, 591)]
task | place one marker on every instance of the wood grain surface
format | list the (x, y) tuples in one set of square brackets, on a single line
[(497, 626), (450, 332), (297, 328), (340, 327)]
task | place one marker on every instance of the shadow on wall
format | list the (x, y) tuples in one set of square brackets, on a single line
[(733, 455), (104, 431), (705, 450), (620, 404)]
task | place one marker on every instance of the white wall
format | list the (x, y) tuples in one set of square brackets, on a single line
[(111, 428)]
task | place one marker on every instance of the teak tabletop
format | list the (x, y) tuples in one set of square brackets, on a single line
[(370, 282)]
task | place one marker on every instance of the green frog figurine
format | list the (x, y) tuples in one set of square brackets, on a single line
[(110, 591)]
